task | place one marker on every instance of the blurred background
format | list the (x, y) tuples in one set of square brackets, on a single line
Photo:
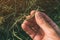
[(13, 12)]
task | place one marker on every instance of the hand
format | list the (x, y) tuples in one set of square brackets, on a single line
[(41, 27)]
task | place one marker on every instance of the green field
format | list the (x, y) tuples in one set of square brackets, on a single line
[(13, 12)]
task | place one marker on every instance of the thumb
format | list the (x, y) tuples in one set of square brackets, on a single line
[(43, 24)]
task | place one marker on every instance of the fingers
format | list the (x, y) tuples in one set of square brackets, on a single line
[(32, 12), (31, 27), (49, 20), (35, 32), (43, 24), (26, 28)]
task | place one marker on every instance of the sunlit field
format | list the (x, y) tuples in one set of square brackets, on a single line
[(13, 13)]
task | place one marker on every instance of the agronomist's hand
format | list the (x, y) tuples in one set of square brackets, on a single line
[(41, 27)]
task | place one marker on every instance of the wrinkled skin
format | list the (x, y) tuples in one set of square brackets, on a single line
[(41, 27)]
